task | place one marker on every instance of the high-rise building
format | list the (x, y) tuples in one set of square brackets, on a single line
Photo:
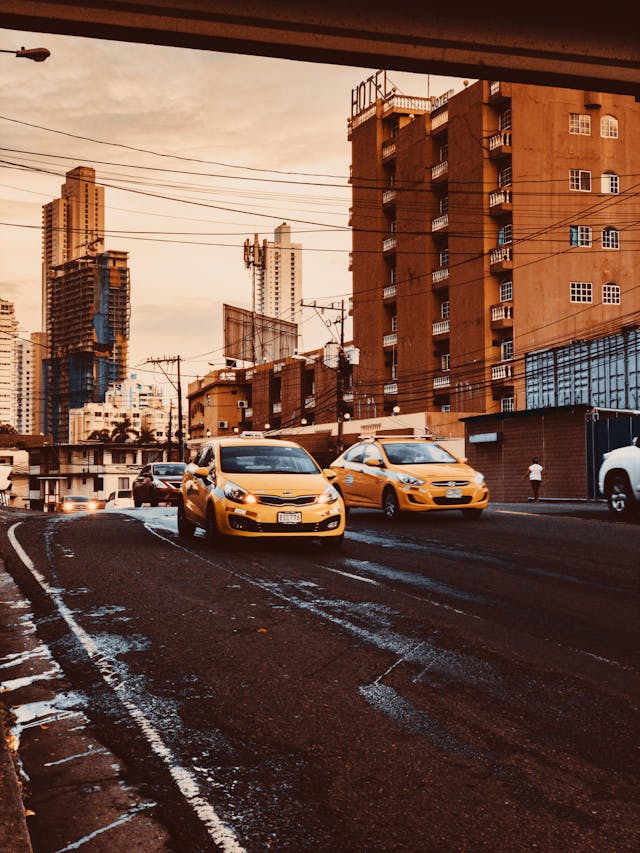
[(489, 225), (87, 334), (279, 277), (8, 335), (25, 383)]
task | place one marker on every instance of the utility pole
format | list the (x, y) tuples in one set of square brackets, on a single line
[(255, 256), (341, 368), (175, 359)]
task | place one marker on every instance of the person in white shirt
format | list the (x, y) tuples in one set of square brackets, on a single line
[(534, 473)]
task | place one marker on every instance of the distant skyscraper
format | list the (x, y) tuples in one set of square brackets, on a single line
[(279, 279), (25, 383), (8, 334)]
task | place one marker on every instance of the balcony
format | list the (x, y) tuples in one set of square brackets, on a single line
[(499, 91), (405, 104), (389, 197), (439, 121), (388, 149), (276, 407), (440, 223), (390, 340), (348, 396), (500, 144), (439, 172), (389, 243), (502, 316), (277, 367), (390, 389), (248, 413), (441, 327), (310, 402), (500, 202), (501, 372), (440, 278), (390, 291), (500, 259), (441, 382)]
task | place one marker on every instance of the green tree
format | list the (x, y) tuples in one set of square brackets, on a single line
[(146, 436), (100, 435), (8, 429), (123, 430)]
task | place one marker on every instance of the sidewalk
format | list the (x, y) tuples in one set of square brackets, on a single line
[(14, 835)]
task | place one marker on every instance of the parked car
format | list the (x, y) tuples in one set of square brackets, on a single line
[(79, 503), (158, 482), (408, 474), (120, 499), (619, 479), (251, 486)]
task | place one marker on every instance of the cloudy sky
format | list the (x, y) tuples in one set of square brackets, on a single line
[(197, 151)]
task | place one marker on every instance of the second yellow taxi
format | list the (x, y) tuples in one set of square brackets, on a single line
[(408, 474)]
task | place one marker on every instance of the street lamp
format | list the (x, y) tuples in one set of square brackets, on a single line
[(37, 54)]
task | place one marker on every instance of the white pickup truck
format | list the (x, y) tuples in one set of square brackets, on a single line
[(619, 479)]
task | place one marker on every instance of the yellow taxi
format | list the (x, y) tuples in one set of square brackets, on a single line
[(408, 474), (252, 486)]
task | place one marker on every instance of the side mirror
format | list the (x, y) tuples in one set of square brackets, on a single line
[(373, 462), (329, 474), (203, 473)]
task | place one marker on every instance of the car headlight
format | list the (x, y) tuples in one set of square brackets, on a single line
[(93, 505), (478, 478), (329, 496), (236, 493), (408, 480)]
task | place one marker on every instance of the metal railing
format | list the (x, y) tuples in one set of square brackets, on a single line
[(441, 327)]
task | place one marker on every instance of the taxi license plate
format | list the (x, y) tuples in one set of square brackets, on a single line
[(289, 517), (454, 493)]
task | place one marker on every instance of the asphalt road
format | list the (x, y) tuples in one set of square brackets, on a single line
[(438, 685)]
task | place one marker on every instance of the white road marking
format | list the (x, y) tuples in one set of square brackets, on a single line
[(185, 781), (354, 577)]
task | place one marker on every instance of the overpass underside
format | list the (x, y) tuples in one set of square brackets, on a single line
[(557, 44)]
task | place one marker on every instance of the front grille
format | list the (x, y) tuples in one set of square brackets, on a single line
[(449, 484), (277, 500), (465, 499)]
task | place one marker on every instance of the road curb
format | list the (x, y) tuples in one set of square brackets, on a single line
[(14, 834)]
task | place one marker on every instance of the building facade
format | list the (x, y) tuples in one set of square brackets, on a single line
[(87, 334), (279, 277), (487, 225), (8, 372), (25, 383)]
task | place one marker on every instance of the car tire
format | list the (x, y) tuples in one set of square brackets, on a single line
[(619, 494), (186, 528), (471, 513), (211, 532), (390, 504), (136, 502)]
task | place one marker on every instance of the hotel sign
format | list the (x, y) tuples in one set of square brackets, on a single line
[(367, 93)]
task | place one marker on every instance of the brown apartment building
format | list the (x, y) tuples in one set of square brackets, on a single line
[(488, 225)]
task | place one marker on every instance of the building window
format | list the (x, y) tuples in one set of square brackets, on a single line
[(444, 204), (610, 238), (580, 180), (580, 123), (611, 293), (123, 483), (444, 310), (580, 235), (610, 183), (506, 351), (504, 177), (581, 291), (609, 127), (444, 152), (444, 257), (507, 404), (445, 361), (504, 120), (394, 323), (505, 235), (506, 291)]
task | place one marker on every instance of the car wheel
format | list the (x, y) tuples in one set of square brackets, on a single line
[(619, 495), (471, 512), (390, 504), (136, 502), (185, 527), (211, 532)]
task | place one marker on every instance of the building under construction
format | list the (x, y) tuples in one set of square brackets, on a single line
[(88, 311)]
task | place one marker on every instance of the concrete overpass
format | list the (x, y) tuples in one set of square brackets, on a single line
[(561, 44)]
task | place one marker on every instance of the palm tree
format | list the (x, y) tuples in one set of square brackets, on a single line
[(121, 432), (146, 436), (100, 435)]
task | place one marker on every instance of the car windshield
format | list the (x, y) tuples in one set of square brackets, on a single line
[(170, 470), (76, 499), (423, 453), (267, 459), (124, 493)]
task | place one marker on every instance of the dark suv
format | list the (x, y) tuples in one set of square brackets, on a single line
[(158, 482)]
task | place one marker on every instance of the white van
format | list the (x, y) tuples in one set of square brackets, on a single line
[(121, 499)]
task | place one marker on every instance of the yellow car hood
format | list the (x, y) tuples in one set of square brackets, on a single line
[(438, 471), (285, 485)]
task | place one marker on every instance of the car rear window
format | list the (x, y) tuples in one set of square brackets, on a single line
[(401, 453), (173, 470), (124, 493), (267, 459)]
